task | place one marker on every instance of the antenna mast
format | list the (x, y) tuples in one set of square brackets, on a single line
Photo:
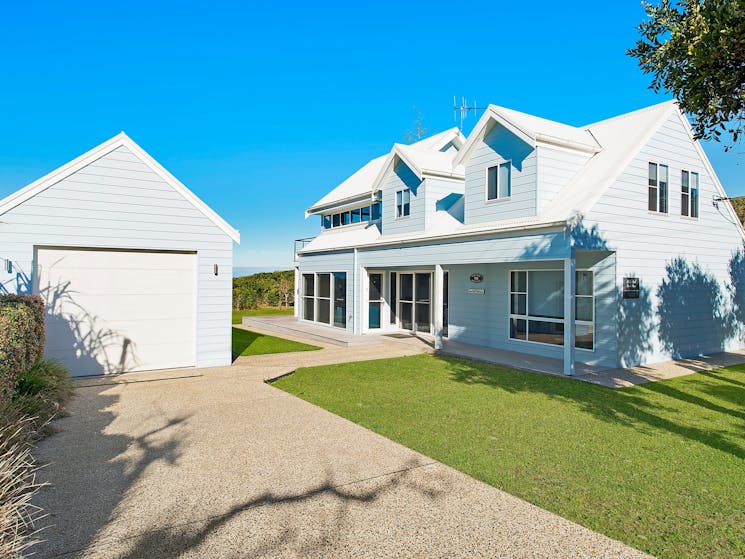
[(464, 110)]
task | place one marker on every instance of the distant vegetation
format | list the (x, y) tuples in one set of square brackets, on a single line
[(266, 289), (739, 205)]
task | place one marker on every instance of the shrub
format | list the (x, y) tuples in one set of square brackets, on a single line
[(21, 337), (17, 483), (42, 391)]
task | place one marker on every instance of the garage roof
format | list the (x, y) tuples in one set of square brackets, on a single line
[(120, 140)]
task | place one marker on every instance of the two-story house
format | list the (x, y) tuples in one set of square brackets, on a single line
[(611, 244)]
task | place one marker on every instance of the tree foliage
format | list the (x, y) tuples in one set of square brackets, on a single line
[(695, 49), (267, 289), (738, 204)]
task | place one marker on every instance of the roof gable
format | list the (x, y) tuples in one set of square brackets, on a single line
[(120, 140)]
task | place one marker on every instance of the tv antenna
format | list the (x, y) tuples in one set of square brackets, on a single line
[(464, 110)]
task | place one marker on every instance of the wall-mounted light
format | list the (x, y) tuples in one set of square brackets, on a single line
[(216, 269), (9, 266)]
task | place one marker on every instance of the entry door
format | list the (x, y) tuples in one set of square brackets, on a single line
[(415, 295), (375, 299)]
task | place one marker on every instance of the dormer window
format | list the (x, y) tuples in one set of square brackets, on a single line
[(358, 215), (657, 192), (403, 203), (498, 181)]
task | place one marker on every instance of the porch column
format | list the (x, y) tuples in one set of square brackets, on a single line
[(437, 302), (297, 299), (570, 287), (358, 289)]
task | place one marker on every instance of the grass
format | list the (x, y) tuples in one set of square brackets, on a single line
[(246, 342), (266, 311), (660, 466)]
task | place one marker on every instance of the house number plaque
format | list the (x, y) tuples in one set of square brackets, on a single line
[(477, 278)]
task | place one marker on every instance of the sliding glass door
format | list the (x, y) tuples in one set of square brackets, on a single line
[(375, 299), (340, 299)]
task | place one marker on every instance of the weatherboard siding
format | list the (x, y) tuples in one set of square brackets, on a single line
[(500, 145), (646, 243), (556, 167), (119, 202), (338, 261), (437, 190), (401, 178)]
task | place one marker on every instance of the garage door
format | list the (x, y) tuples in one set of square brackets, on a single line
[(111, 311)]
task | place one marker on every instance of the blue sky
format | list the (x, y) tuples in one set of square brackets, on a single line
[(260, 110)]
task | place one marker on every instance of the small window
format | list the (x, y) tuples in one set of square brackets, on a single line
[(498, 180), (375, 211), (365, 213), (337, 220), (657, 188), (356, 216), (689, 194), (403, 203), (326, 221), (345, 218)]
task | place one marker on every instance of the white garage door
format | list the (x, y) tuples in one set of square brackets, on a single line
[(111, 311)]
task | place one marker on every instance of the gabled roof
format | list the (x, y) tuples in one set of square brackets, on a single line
[(423, 157), (531, 129), (120, 140)]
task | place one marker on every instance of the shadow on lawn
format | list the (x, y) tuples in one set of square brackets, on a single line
[(628, 407), (176, 540)]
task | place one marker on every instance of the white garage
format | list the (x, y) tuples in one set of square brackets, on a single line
[(135, 270)]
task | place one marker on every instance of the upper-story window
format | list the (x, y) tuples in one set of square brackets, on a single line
[(499, 181), (358, 215), (689, 194), (403, 203), (658, 180)]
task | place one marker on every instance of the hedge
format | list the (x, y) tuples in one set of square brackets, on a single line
[(21, 337)]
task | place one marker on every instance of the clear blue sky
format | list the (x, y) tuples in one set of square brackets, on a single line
[(261, 109)]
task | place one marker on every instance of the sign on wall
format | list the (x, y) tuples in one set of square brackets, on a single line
[(473, 291), (477, 278), (630, 288)]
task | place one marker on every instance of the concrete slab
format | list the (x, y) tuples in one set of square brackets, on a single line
[(224, 465), (291, 326)]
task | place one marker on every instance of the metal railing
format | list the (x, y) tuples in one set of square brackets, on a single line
[(300, 244)]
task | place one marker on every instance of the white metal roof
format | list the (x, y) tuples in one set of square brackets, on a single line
[(120, 140), (612, 143), (424, 157)]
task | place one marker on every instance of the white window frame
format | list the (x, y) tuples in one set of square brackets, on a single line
[(527, 317), (658, 188), (318, 300), (690, 205), (399, 208), (500, 197)]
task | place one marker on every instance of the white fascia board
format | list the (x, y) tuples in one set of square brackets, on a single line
[(479, 132), (573, 146), (120, 140), (350, 201)]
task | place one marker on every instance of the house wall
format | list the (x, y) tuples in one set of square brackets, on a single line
[(556, 167), (484, 319), (685, 306), (497, 146), (402, 177), (119, 202), (440, 195)]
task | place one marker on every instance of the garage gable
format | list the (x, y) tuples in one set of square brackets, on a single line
[(120, 157)]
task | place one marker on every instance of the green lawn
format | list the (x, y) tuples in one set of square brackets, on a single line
[(252, 343), (659, 466), (266, 311)]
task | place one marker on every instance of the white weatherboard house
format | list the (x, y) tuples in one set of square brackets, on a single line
[(610, 244), (135, 270)]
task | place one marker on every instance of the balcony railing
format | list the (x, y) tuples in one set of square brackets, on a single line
[(300, 244)]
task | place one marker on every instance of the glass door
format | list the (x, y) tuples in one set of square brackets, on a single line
[(340, 299), (414, 298), (375, 300)]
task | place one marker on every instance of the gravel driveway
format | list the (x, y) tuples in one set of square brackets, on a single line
[(216, 463)]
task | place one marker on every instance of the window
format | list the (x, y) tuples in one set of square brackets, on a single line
[(537, 307), (324, 298), (365, 213), (498, 179), (403, 203), (375, 300), (657, 191), (375, 211), (689, 194), (337, 220), (326, 221), (357, 215)]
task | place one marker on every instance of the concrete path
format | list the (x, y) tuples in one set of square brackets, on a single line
[(216, 463)]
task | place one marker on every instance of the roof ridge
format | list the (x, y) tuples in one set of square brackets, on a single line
[(633, 113)]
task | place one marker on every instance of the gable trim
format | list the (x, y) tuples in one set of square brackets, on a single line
[(120, 140)]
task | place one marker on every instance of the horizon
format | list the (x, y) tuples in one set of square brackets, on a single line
[(260, 114)]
